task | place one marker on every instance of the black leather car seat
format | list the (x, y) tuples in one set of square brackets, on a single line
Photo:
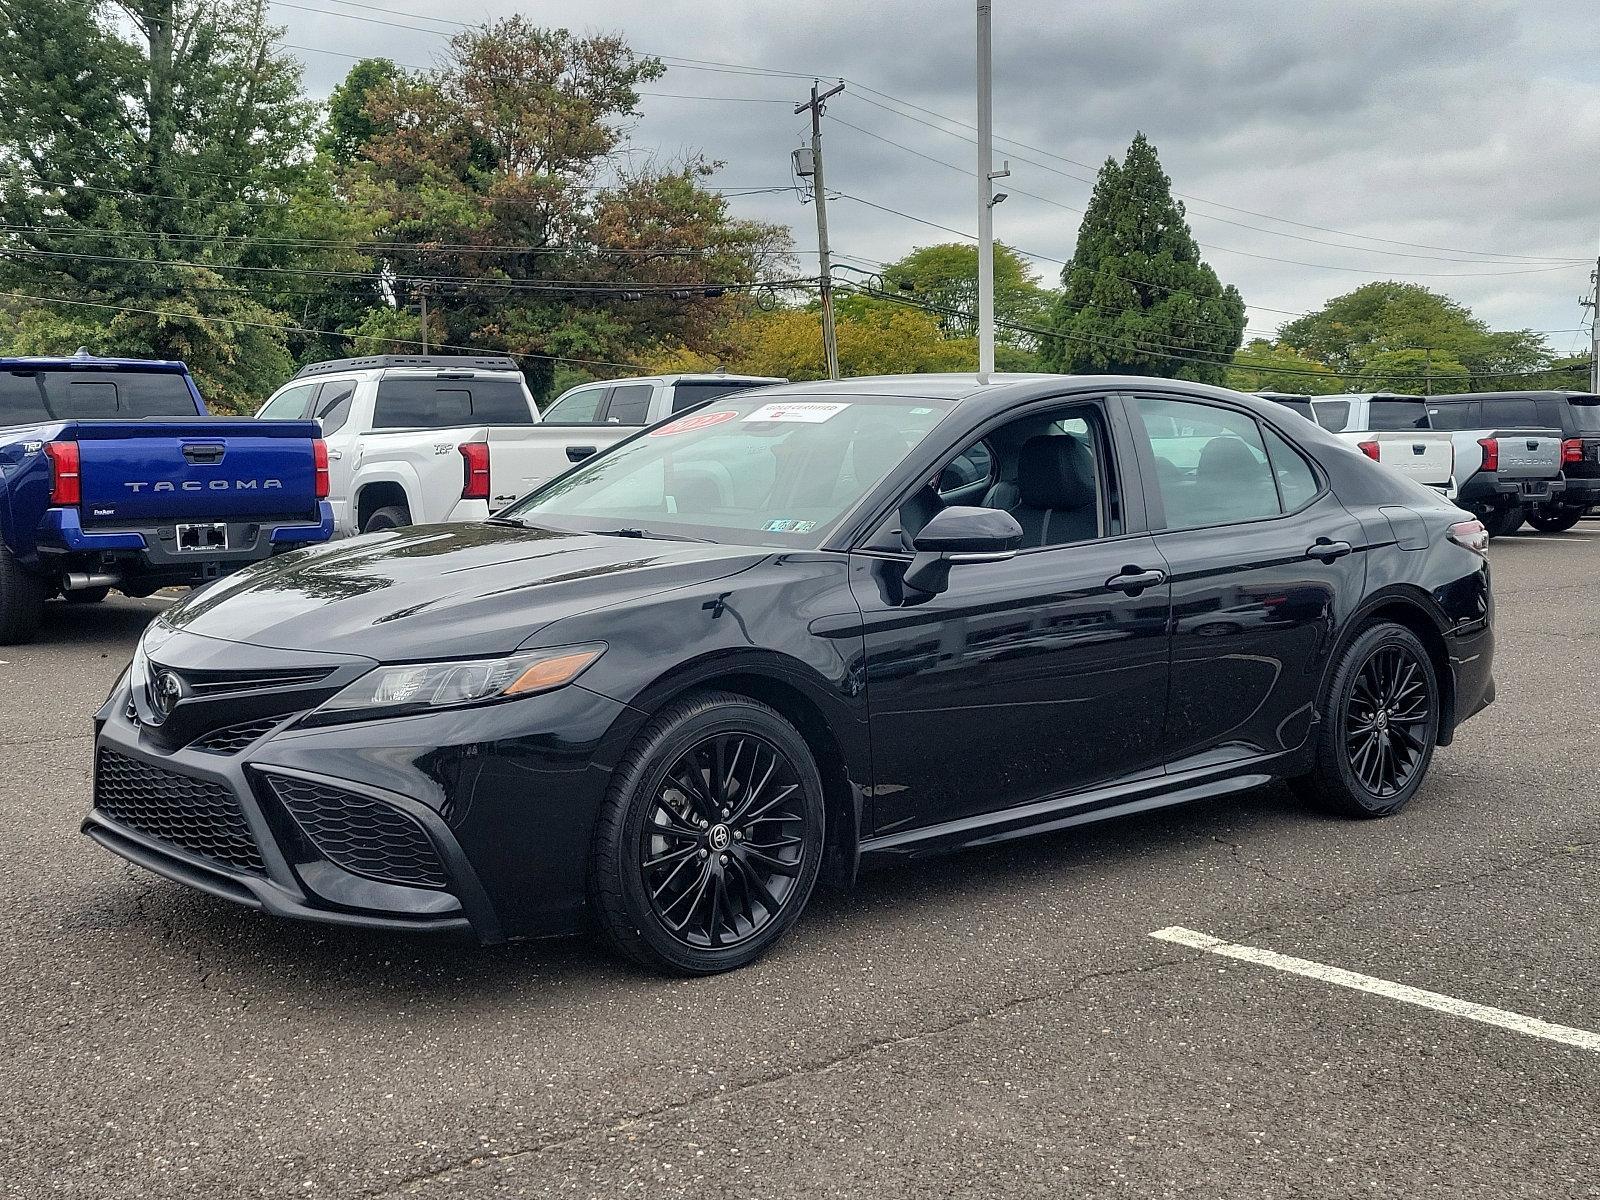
[(1053, 498)]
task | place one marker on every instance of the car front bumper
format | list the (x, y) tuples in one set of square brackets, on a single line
[(474, 822)]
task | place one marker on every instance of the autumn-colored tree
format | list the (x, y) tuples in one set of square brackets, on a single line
[(1261, 366), (496, 178)]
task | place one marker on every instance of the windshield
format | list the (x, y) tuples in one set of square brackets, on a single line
[(756, 470)]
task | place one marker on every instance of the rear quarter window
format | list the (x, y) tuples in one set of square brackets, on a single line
[(1332, 415), (1511, 412), (1466, 415), (1586, 416)]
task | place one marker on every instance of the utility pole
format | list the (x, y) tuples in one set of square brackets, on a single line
[(1427, 371), (1593, 305), (986, 197), (422, 301), (819, 193)]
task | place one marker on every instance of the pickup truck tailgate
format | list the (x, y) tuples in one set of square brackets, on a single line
[(522, 457), (1426, 456), (1525, 455), (151, 470)]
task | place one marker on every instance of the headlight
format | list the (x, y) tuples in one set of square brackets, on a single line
[(424, 687)]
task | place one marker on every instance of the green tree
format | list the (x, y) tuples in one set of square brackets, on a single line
[(1136, 297), (1261, 366), (501, 171), (349, 125), (946, 276), (148, 150), (1405, 337)]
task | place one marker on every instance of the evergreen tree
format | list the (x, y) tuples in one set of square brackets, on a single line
[(1136, 298)]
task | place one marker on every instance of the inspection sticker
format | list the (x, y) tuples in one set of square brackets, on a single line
[(805, 412), (789, 526), (694, 421)]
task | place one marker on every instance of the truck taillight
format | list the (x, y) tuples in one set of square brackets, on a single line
[(1472, 535), (475, 480), (66, 484), (1370, 449), (319, 458), (1572, 451), (1491, 453)]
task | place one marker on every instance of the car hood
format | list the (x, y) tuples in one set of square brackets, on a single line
[(442, 591)]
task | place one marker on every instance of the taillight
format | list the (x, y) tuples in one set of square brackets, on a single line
[(1571, 451), (1370, 449), (319, 458), (1471, 535), (475, 480), (66, 484), (1491, 453)]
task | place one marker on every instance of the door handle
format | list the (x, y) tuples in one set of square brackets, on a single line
[(1133, 581), (1327, 550), (579, 453), (335, 455)]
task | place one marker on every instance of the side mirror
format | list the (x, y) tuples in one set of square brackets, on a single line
[(960, 535)]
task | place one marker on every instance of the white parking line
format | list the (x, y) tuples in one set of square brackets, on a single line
[(1515, 1022)]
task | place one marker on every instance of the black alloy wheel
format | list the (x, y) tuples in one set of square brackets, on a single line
[(721, 846), (711, 837), (1555, 518), (1379, 725), (1503, 522), (1389, 710)]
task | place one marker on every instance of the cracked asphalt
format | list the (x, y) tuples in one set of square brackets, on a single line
[(997, 1023)]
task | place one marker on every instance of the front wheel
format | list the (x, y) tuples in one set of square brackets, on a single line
[(1555, 518), (1379, 726), (710, 838)]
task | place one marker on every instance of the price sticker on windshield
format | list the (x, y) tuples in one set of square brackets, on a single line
[(693, 421), (803, 412)]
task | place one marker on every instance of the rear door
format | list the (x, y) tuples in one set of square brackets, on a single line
[(1264, 562), (570, 430)]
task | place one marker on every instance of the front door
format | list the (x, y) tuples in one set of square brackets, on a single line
[(1030, 678)]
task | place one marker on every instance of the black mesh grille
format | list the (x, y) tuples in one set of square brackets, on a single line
[(195, 815), (361, 835), (231, 739)]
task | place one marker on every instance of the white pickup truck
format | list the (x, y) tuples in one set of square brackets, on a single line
[(1388, 428), (414, 439), (586, 419)]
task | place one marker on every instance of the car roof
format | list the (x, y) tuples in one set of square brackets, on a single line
[(88, 362), (384, 362), (714, 377), (1533, 394)]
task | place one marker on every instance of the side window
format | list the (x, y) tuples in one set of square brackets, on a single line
[(581, 406), (333, 406), (1332, 415), (971, 471), (630, 404), (289, 404), (1211, 464), (1297, 482), (1396, 412), (1463, 414), (688, 393)]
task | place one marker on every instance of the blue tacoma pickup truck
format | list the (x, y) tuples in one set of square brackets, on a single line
[(113, 475)]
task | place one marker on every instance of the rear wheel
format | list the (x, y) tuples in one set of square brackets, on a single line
[(21, 601), (390, 516), (1379, 726), (711, 837), (1555, 518)]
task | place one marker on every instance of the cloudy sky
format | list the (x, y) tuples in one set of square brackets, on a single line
[(1318, 144)]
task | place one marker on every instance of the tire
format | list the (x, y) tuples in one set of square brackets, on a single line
[(1555, 518), (390, 516), (21, 601), (88, 595), (1350, 778), (1503, 522), (708, 902)]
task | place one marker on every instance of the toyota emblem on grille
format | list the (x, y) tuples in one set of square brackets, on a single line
[(166, 689)]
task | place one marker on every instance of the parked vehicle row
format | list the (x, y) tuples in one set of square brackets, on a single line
[(788, 632), (418, 439), (112, 474), (1506, 457)]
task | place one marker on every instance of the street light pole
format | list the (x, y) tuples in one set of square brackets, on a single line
[(985, 197)]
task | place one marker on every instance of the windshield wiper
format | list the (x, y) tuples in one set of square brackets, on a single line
[(514, 522), (647, 533)]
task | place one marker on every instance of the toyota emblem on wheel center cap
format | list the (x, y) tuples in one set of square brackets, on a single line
[(720, 837)]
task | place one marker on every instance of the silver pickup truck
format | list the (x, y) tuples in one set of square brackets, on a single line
[(1388, 428), (1502, 472)]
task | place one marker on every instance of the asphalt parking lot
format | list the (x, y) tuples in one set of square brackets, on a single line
[(997, 1023)]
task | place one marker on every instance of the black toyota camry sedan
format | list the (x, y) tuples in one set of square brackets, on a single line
[(790, 631)]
